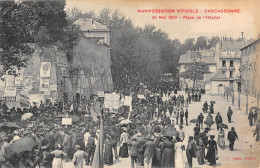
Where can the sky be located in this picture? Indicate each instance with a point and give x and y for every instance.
(230, 25)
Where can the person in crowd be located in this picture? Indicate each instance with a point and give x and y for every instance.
(218, 120)
(205, 106)
(250, 118)
(149, 152)
(209, 121)
(200, 119)
(229, 114)
(90, 148)
(186, 114)
(58, 156)
(221, 138)
(201, 151)
(108, 153)
(211, 108)
(124, 139)
(79, 157)
(196, 132)
(191, 151)
(212, 150)
(134, 151)
(255, 116)
(232, 137)
(181, 116)
(177, 115)
(167, 152)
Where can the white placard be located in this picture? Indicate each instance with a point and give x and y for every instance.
(66, 121)
(45, 70)
(141, 96)
(101, 94)
(10, 92)
(112, 101)
(17, 81)
(128, 101)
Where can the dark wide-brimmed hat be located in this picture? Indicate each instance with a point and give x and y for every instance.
(232, 128)
(212, 136)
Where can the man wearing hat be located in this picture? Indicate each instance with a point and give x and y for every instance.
(78, 158)
(190, 150)
(218, 120)
(134, 151)
(232, 136)
(149, 152)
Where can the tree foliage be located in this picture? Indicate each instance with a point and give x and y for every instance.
(195, 71)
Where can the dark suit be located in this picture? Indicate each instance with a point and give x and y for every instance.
(149, 153)
(191, 151)
(134, 152)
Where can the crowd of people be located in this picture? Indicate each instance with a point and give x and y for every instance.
(145, 132)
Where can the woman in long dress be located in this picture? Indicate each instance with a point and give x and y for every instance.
(178, 157)
(201, 152)
(168, 152)
(221, 138)
(209, 121)
(124, 139)
(212, 150)
(58, 155)
(108, 154)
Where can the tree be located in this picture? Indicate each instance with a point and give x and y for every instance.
(195, 71)
(201, 43)
(40, 22)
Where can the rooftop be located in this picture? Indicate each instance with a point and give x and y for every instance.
(219, 77)
(87, 24)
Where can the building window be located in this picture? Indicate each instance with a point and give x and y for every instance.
(231, 74)
(223, 63)
(223, 72)
(231, 63)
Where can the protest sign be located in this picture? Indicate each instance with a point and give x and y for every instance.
(128, 101)
(10, 92)
(141, 96)
(44, 84)
(66, 121)
(112, 101)
(101, 94)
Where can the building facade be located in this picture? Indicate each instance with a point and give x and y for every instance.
(206, 56)
(249, 74)
(228, 60)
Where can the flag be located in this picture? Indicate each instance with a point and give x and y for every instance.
(93, 114)
(71, 108)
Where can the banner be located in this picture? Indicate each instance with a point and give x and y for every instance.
(24, 100)
(27, 83)
(66, 121)
(112, 101)
(10, 92)
(44, 84)
(45, 70)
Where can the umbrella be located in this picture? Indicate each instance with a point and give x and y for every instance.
(212, 102)
(26, 116)
(171, 133)
(10, 125)
(22, 145)
(221, 125)
(194, 121)
(126, 121)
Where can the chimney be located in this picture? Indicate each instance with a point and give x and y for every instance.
(242, 33)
